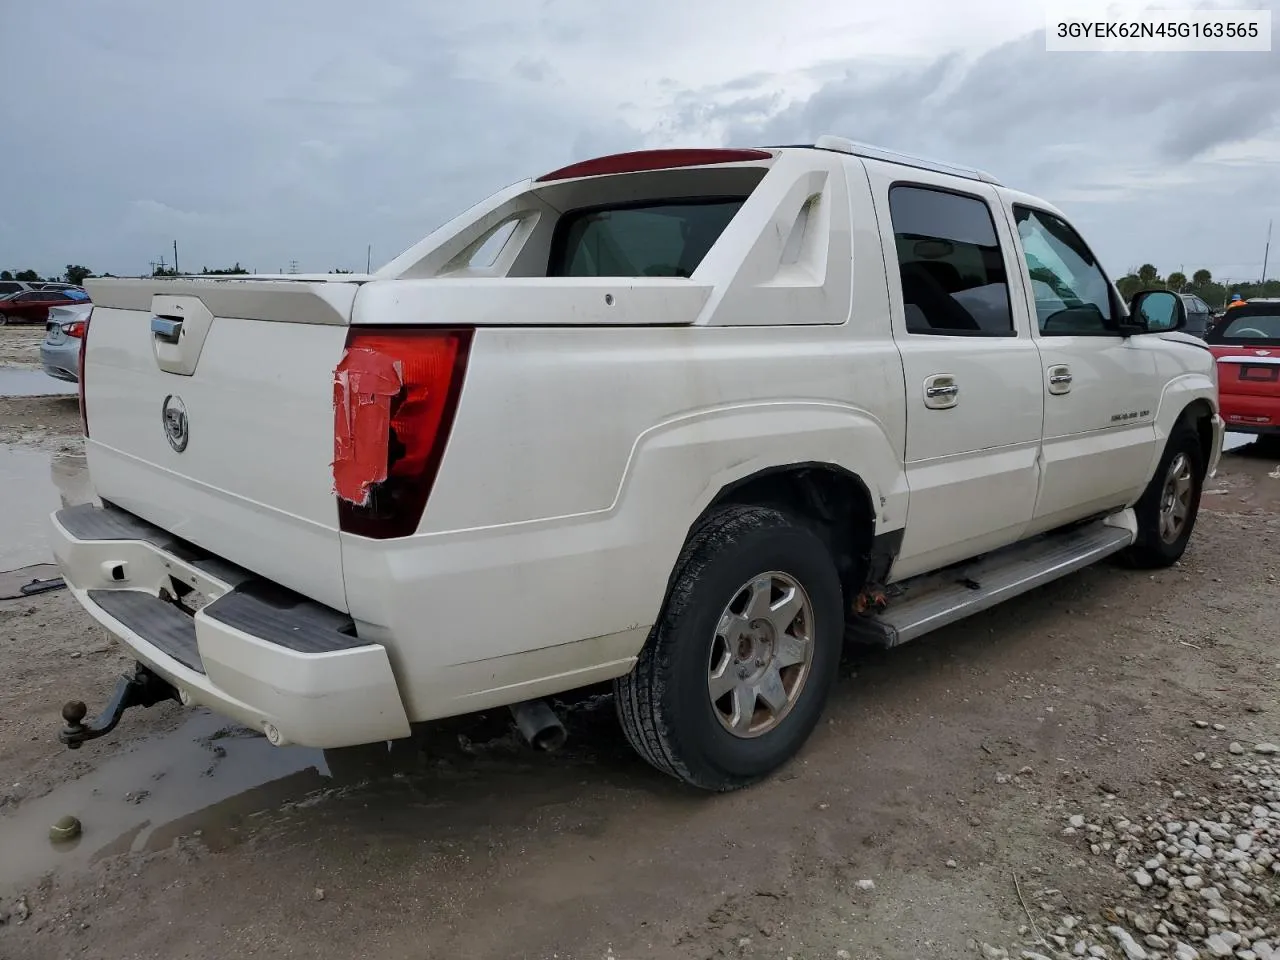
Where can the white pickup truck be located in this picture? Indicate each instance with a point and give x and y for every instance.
(684, 420)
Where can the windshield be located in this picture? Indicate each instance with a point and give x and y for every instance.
(1258, 325)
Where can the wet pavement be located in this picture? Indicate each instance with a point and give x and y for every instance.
(33, 484)
(25, 382)
(208, 779)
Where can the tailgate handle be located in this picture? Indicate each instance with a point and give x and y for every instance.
(168, 329)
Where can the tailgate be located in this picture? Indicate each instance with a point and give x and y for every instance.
(210, 414)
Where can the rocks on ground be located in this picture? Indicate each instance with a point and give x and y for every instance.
(1204, 873)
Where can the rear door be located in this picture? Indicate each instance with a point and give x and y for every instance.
(1101, 389)
(974, 402)
(210, 414)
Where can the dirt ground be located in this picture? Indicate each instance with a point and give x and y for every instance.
(20, 344)
(944, 775)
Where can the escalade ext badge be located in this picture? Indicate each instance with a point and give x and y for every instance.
(173, 416)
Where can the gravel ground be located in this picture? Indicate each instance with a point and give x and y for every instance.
(1082, 769)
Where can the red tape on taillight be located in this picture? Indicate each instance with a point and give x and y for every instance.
(394, 396)
(84, 346)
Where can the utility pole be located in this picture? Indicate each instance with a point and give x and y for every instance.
(368, 257)
(293, 266)
(175, 256)
(1266, 253)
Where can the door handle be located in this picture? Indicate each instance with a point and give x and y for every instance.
(1059, 380)
(941, 392)
(167, 329)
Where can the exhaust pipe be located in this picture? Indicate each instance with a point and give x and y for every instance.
(539, 725)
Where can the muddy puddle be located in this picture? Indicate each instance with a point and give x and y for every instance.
(22, 382)
(33, 484)
(207, 779)
(216, 784)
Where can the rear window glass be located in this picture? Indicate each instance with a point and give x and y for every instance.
(1248, 325)
(663, 239)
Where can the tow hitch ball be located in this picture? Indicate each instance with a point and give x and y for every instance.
(141, 689)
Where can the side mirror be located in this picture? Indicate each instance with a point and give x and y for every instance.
(1157, 311)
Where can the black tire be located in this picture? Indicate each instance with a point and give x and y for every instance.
(1154, 549)
(664, 704)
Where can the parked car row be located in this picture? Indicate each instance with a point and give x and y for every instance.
(32, 306)
(22, 286)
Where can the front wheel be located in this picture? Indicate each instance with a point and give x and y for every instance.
(736, 672)
(1168, 508)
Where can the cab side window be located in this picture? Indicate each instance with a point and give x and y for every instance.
(952, 268)
(1072, 294)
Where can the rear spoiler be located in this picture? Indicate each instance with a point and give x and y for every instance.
(284, 300)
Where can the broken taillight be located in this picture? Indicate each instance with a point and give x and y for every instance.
(394, 395)
(84, 345)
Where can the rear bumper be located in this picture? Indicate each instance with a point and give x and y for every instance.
(61, 360)
(1251, 414)
(258, 653)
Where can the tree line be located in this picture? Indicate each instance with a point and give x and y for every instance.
(77, 274)
(1201, 283)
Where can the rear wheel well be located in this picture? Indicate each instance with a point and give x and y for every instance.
(833, 502)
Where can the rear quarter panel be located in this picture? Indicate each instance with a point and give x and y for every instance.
(578, 461)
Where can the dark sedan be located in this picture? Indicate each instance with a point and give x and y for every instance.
(32, 306)
(1199, 315)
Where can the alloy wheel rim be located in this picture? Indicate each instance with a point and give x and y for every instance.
(1175, 499)
(761, 654)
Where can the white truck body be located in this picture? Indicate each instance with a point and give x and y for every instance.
(598, 418)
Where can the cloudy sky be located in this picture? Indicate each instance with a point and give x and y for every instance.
(266, 132)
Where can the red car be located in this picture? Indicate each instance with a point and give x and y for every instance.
(32, 306)
(1247, 347)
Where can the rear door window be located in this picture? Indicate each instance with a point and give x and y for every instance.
(954, 281)
(662, 239)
